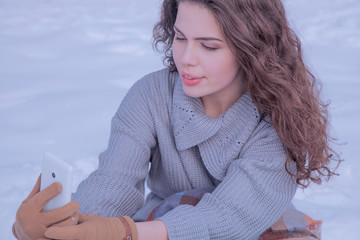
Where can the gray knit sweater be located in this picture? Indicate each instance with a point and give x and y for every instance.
(239, 154)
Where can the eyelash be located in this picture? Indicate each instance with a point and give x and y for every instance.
(180, 39)
(206, 47)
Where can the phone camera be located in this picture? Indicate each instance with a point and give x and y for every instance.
(53, 175)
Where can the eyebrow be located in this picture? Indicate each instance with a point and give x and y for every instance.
(199, 38)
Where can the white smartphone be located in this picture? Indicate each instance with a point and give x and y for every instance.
(54, 169)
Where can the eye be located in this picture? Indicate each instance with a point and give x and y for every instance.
(209, 48)
(179, 38)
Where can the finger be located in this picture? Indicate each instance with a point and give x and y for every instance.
(83, 217)
(67, 232)
(72, 220)
(13, 231)
(41, 198)
(61, 213)
(35, 189)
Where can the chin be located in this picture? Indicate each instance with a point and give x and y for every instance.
(191, 92)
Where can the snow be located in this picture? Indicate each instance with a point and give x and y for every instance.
(65, 66)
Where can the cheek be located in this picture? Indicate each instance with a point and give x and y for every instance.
(230, 64)
(222, 66)
(176, 53)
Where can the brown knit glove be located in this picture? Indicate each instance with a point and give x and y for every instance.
(32, 221)
(95, 227)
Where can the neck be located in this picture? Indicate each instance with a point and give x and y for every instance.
(214, 108)
(217, 104)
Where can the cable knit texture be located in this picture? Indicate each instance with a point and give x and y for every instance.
(237, 152)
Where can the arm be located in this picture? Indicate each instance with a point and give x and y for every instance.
(95, 227)
(116, 188)
(151, 230)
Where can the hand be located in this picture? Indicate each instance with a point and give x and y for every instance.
(32, 221)
(95, 227)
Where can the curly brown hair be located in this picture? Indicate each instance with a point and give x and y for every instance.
(280, 84)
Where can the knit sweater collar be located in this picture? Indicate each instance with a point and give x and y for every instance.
(191, 126)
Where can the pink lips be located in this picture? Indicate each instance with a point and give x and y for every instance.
(191, 80)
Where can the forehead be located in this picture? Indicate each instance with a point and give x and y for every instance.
(196, 20)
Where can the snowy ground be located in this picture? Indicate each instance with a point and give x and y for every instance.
(65, 65)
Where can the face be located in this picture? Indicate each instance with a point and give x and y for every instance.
(207, 66)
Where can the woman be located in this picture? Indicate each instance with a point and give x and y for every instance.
(235, 116)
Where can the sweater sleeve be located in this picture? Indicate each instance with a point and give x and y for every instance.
(252, 196)
(116, 188)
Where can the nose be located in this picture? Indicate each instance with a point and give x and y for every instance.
(189, 56)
